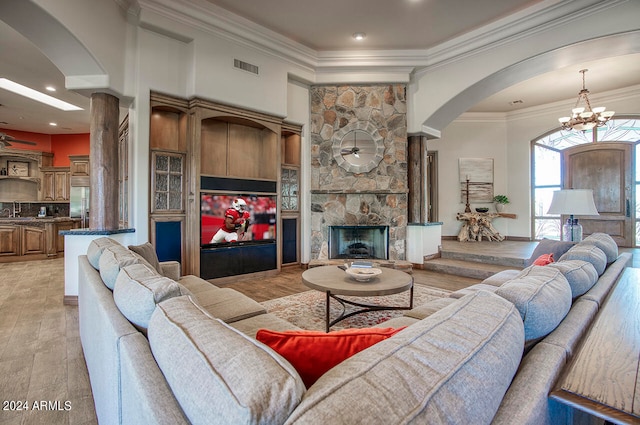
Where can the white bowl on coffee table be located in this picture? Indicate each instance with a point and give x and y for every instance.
(363, 274)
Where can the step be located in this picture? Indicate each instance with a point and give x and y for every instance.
(484, 258)
(473, 269)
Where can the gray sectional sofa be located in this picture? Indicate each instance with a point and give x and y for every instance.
(164, 349)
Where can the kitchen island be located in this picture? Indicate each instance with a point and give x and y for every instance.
(33, 238)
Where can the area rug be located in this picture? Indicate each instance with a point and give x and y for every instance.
(307, 309)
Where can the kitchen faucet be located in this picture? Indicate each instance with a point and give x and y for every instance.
(17, 209)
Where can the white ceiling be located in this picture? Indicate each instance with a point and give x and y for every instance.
(328, 26)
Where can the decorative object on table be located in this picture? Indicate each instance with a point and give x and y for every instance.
(501, 201)
(476, 179)
(477, 227)
(18, 168)
(582, 119)
(363, 274)
(361, 264)
(572, 202)
(482, 210)
(467, 207)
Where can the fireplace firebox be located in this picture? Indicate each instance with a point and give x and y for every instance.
(368, 242)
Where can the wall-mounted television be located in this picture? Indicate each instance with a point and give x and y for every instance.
(261, 215)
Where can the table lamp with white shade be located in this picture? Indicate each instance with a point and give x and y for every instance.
(573, 202)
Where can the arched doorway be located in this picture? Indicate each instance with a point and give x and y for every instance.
(551, 170)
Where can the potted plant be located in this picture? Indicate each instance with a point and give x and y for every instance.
(500, 201)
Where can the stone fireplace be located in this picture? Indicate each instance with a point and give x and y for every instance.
(378, 197)
(362, 242)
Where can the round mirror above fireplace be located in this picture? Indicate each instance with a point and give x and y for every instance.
(358, 147)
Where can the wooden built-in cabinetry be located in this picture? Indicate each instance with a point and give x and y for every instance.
(226, 150)
(79, 165)
(55, 183)
(33, 238)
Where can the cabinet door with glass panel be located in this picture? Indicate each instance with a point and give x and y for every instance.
(167, 182)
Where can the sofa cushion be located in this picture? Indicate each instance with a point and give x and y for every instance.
(114, 258)
(217, 374)
(549, 246)
(96, 247)
(138, 289)
(313, 353)
(587, 252)
(501, 277)
(581, 275)
(605, 242)
(228, 304)
(542, 295)
(455, 365)
(148, 252)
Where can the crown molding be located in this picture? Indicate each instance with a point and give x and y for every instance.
(555, 108)
(209, 18)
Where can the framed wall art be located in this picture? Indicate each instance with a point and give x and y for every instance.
(479, 174)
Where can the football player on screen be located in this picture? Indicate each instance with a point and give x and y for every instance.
(236, 223)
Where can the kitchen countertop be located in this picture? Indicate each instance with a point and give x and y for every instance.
(28, 220)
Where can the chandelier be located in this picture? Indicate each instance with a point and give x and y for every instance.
(583, 119)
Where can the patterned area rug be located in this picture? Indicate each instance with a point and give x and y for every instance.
(307, 309)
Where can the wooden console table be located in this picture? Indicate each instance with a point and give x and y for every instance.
(602, 378)
(478, 226)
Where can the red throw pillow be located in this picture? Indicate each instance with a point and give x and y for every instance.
(312, 353)
(544, 259)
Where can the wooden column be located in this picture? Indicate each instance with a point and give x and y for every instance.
(417, 179)
(103, 211)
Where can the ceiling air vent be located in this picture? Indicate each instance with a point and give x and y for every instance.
(245, 66)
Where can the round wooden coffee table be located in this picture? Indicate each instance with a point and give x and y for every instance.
(334, 281)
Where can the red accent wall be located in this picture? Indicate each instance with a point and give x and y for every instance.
(60, 145)
(63, 145)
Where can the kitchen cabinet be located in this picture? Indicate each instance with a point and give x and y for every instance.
(55, 183)
(9, 240)
(79, 165)
(33, 238)
(58, 238)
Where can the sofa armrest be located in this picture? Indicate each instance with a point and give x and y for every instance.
(170, 269)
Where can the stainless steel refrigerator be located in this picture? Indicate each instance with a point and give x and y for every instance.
(79, 204)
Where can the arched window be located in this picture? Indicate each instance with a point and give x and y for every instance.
(546, 158)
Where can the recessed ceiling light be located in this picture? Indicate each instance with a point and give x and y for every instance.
(50, 88)
(36, 95)
(359, 36)
(53, 124)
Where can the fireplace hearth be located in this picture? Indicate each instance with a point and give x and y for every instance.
(361, 242)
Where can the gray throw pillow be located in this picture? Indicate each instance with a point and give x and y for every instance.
(542, 295)
(113, 259)
(549, 246)
(97, 247)
(581, 275)
(606, 243)
(587, 252)
(207, 363)
(148, 252)
(138, 289)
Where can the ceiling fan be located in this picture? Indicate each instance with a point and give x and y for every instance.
(353, 150)
(6, 141)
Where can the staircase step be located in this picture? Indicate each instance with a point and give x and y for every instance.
(484, 258)
(473, 269)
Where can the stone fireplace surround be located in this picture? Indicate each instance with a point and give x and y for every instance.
(378, 197)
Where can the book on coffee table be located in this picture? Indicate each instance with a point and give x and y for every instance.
(361, 264)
